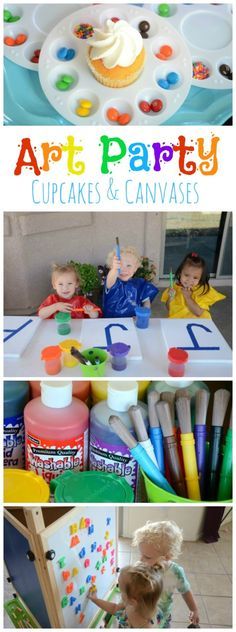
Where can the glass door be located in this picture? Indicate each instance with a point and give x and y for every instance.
(208, 234)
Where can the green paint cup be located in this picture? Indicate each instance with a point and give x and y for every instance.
(63, 320)
(98, 359)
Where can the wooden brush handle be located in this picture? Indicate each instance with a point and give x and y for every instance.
(136, 417)
(120, 429)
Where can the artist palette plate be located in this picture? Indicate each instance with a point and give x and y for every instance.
(35, 21)
(127, 99)
(207, 29)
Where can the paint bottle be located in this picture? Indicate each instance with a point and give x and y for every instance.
(99, 390)
(107, 453)
(16, 396)
(79, 389)
(56, 429)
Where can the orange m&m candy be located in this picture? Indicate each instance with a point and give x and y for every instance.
(112, 114)
(20, 39)
(124, 119)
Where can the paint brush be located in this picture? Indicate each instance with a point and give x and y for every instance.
(139, 454)
(155, 432)
(200, 434)
(220, 403)
(171, 448)
(169, 397)
(118, 250)
(171, 279)
(76, 354)
(136, 417)
(183, 407)
(225, 482)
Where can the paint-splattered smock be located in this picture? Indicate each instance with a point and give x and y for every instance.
(122, 298)
(174, 579)
(178, 307)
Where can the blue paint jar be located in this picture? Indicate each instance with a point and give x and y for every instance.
(142, 317)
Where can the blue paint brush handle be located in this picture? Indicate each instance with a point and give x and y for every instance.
(213, 463)
(156, 437)
(200, 435)
(150, 469)
(118, 250)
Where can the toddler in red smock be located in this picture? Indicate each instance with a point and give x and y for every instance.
(65, 283)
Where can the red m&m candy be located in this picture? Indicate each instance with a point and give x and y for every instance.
(156, 105)
(145, 106)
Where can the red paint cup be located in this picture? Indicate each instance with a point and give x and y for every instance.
(177, 360)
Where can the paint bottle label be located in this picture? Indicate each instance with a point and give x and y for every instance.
(50, 459)
(114, 459)
(14, 442)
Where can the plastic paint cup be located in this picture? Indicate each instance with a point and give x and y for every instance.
(157, 495)
(118, 352)
(93, 369)
(177, 360)
(65, 346)
(142, 317)
(52, 359)
(63, 323)
(89, 487)
(24, 487)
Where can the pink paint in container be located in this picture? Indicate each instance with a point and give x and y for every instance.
(56, 429)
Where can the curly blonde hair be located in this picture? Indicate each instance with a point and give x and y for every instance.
(128, 250)
(144, 584)
(165, 536)
(58, 269)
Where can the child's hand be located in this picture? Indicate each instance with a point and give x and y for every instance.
(92, 594)
(90, 311)
(171, 293)
(194, 617)
(63, 307)
(116, 263)
(186, 291)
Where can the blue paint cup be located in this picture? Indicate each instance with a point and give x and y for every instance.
(142, 317)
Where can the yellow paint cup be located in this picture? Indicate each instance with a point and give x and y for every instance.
(68, 360)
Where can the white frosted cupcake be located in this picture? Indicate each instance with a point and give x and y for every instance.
(116, 56)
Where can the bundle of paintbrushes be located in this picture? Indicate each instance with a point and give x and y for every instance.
(141, 451)
(190, 454)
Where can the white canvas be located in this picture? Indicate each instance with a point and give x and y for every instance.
(93, 334)
(213, 347)
(17, 333)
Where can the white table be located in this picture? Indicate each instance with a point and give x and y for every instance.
(153, 365)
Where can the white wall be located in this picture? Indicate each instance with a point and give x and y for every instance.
(33, 241)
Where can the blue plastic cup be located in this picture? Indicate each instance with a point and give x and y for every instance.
(142, 317)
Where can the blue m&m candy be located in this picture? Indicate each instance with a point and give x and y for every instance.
(172, 78)
(65, 54)
(163, 83)
(70, 54)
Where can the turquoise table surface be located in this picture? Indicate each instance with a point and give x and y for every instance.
(26, 104)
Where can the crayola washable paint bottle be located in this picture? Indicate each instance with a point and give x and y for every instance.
(99, 390)
(107, 453)
(16, 396)
(56, 431)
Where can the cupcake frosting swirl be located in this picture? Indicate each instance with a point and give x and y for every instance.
(119, 44)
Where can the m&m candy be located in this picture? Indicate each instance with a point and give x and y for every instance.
(145, 106)
(65, 82)
(84, 108)
(112, 114)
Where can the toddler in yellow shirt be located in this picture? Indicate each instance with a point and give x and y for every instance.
(191, 295)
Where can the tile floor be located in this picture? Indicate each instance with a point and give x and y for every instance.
(209, 570)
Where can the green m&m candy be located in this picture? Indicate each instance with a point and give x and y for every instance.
(164, 10)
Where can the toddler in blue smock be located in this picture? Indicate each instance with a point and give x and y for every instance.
(123, 292)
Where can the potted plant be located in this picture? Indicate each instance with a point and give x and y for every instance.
(147, 270)
(89, 280)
